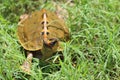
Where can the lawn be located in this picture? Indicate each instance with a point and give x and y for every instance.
(93, 52)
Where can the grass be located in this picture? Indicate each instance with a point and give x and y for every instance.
(94, 46)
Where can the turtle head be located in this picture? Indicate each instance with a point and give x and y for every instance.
(50, 46)
(51, 43)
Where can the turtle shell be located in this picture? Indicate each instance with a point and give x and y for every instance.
(30, 28)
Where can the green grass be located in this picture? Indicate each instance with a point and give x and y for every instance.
(94, 46)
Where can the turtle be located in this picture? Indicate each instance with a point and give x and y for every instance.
(41, 32)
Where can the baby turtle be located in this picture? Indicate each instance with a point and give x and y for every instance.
(41, 31)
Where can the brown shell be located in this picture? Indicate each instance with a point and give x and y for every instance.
(29, 29)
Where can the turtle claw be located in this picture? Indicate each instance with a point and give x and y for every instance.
(26, 67)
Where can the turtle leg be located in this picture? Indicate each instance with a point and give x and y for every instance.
(27, 64)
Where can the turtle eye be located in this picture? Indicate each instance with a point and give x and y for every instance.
(47, 33)
(42, 33)
(44, 22)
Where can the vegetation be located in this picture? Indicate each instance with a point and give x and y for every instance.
(93, 53)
